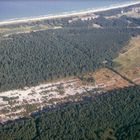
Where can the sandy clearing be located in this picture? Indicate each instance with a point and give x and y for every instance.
(13, 102)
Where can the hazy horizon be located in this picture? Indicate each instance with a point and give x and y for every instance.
(19, 9)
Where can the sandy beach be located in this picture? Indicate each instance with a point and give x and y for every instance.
(66, 14)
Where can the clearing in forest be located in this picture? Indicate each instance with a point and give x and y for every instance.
(128, 61)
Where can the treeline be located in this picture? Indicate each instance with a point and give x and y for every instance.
(111, 116)
(28, 59)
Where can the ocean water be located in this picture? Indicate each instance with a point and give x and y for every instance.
(12, 9)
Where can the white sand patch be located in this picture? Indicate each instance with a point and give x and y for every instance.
(39, 96)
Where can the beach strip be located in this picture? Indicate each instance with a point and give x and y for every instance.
(66, 14)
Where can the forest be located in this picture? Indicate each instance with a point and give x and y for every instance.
(27, 59)
(31, 58)
(111, 116)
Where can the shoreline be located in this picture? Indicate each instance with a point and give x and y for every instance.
(65, 14)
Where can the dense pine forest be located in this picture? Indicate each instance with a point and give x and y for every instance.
(111, 116)
(28, 59)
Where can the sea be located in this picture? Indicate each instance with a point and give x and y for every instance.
(15, 9)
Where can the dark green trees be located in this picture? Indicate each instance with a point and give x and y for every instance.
(113, 115)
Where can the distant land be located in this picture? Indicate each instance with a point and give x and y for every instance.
(68, 14)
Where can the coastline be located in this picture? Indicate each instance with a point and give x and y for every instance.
(65, 14)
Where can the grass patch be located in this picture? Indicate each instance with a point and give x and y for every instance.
(129, 58)
(25, 29)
